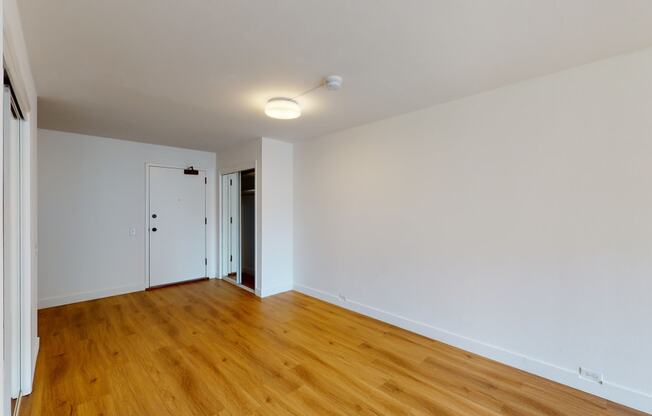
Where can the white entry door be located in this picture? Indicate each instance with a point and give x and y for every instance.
(177, 226)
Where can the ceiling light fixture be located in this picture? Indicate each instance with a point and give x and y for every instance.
(284, 108)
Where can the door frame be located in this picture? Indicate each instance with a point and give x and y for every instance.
(149, 165)
(235, 168)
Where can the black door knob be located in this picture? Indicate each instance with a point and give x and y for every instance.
(153, 215)
(154, 229)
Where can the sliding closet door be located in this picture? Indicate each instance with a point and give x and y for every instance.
(230, 224)
(11, 246)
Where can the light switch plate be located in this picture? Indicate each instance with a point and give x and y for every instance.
(132, 231)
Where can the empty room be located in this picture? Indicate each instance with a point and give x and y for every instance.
(300, 207)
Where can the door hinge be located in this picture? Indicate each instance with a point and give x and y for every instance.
(205, 261)
(231, 220)
(231, 182)
(205, 220)
(205, 180)
(231, 258)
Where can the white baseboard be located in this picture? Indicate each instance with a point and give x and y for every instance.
(610, 391)
(84, 296)
(275, 290)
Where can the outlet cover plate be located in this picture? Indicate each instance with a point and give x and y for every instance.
(591, 375)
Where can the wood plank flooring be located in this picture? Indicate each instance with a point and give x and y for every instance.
(210, 348)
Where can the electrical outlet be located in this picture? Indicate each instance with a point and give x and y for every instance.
(132, 231)
(591, 375)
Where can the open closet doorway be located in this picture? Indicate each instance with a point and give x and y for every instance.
(238, 232)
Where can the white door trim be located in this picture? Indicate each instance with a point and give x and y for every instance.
(145, 230)
(28, 365)
(238, 167)
(5, 399)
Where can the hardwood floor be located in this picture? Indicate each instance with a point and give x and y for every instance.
(210, 348)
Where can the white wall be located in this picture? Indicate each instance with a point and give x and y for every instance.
(234, 159)
(277, 216)
(274, 208)
(240, 157)
(516, 223)
(91, 191)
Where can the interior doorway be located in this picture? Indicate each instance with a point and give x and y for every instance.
(238, 231)
(176, 225)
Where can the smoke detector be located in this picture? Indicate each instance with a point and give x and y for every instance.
(333, 82)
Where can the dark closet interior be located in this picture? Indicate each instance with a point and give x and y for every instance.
(248, 227)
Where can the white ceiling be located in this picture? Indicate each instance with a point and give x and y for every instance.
(197, 73)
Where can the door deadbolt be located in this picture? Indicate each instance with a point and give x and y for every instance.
(154, 229)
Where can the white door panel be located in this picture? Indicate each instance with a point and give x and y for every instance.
(11, 247)
(177, 229)
(230, 221)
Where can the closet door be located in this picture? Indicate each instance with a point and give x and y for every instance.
(230, 224)
(11, 246)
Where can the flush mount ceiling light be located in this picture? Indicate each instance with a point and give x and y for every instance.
(284, 108)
